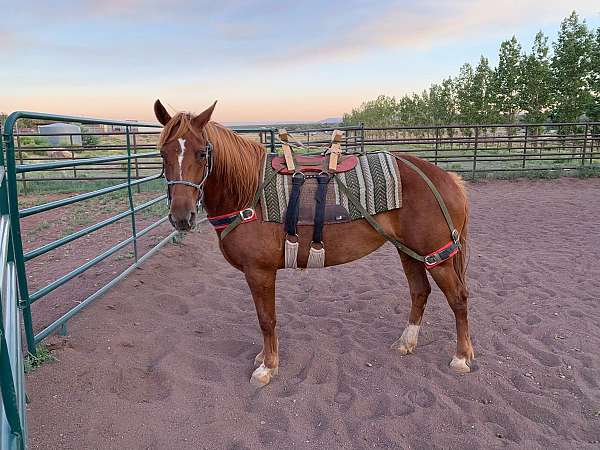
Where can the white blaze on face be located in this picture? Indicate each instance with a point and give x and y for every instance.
(180, 157)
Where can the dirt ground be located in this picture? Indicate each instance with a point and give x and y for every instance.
(43, 228)
(163, 360)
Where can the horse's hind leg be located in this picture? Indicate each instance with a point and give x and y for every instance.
(419, 291)
(456, 294)
(262, 286)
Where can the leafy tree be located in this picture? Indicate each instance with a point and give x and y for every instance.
(378, 112)
(561, 87)
(482, 93)
(442, 104)
(90, 140)
(536, 83)
(506, 80)
(593, 110)
(467, 110)
(571, 70)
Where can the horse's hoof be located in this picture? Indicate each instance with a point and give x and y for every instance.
(262, 375)
(408, 341)
(460, 365)
(259, 359)
(403, 347)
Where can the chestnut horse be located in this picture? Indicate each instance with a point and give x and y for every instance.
(228, 183)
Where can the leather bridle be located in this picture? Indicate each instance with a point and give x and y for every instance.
(206, 154)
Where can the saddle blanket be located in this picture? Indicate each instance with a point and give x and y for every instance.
(375, 181)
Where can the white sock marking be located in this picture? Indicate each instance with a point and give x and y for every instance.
(180, 157)
(411, 334)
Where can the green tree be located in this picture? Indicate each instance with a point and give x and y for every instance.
(571, 70)
(482, 93)
(442, 103)
(593, 110)
(467, 109)
(536, 83)
(379, 112)
(506, 80)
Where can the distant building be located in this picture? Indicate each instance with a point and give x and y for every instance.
(66, 134)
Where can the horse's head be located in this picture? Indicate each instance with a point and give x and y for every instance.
(186, 154)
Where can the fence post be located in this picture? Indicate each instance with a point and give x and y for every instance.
(362, 138)
(437, 144)
(272, 133)
(20, 150)
(73, 156)
(475, 146)
(594, 131)
(525, 145)
(17, 247)
(130, 195)
(138, 188)
(583, 150)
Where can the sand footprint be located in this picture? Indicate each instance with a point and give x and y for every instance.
(172, 304)
(421, 397)
(141, 385)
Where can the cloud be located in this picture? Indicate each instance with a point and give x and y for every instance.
(436, 22)
(6, 38)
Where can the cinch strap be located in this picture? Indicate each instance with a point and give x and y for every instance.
(293, 207)
(323, 180)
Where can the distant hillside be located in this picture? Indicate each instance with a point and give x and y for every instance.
(331, 120)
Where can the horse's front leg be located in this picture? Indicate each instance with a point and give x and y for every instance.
(262, 286)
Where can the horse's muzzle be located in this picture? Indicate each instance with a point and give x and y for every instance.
(185, 224)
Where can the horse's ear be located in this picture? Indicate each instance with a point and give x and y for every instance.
(161, 113)
(202, 119)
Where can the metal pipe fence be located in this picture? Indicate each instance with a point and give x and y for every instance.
(473, 150)
(478, 150)
(13, 422)
(16, 172)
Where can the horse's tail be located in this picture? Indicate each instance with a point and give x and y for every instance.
(462, 257)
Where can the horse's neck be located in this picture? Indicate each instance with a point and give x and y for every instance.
(219, 195)
(216, 199)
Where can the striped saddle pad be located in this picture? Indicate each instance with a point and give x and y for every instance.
(375, 181)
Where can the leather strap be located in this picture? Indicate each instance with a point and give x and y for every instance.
(254, 204)
(293, 206)
(369, 218)
(433, 189)
(320, 197)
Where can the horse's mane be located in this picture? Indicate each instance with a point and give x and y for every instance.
(237, 161)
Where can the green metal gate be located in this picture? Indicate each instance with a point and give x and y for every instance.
(13, 424)
(28, 298)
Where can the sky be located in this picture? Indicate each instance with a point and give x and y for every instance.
(264, 61)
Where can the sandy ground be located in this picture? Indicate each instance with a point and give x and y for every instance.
(163, 360)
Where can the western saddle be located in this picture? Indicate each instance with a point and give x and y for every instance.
(331, 161)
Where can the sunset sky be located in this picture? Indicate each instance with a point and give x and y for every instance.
(263, 60)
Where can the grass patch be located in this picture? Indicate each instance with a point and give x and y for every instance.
(588, 172)
(128, 255)
(43, 225)
(41, 357)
